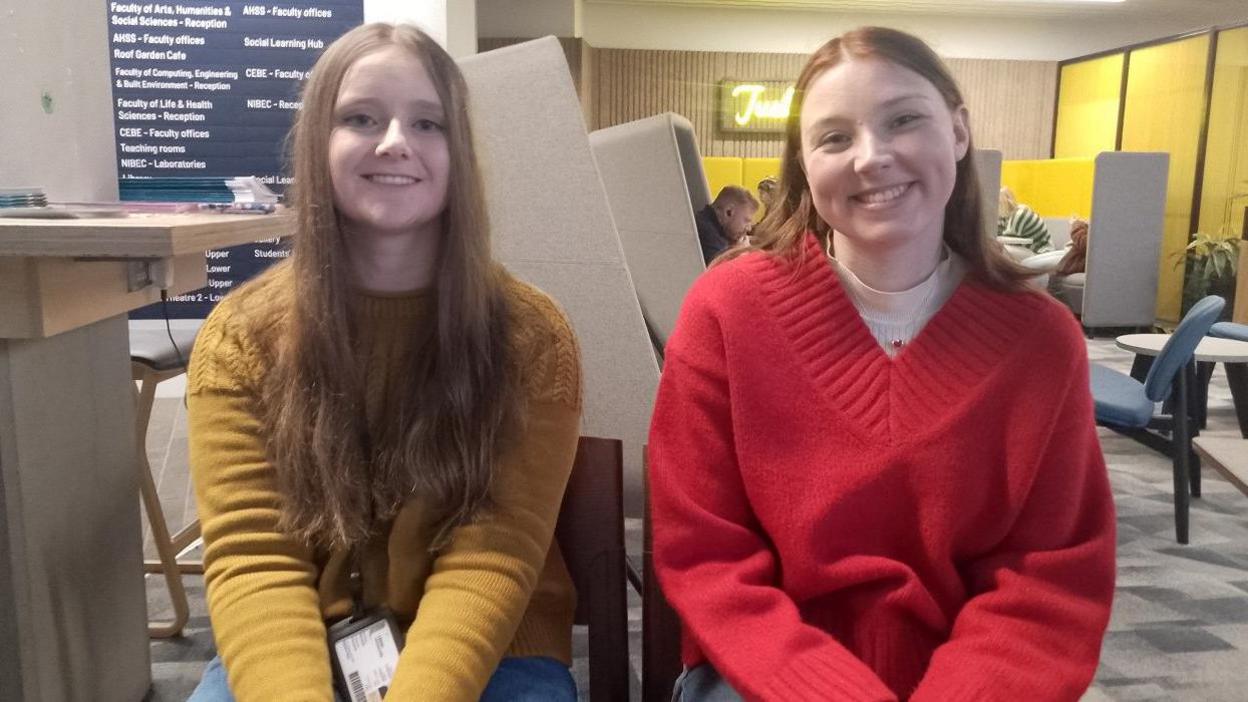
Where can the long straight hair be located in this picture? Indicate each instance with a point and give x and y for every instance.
(455, 400)
(793, 212)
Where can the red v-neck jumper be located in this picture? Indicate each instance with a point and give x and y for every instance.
(833, 524)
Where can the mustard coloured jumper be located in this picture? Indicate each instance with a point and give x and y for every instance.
(498, 588)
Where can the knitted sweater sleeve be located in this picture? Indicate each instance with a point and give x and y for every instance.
(711, 557)
(480, 585)
(1033, 626)
(262, 597)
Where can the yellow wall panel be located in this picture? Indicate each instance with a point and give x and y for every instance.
(1054, 187)
(1224, 189)
(745, 172)
(1087, 107)
(721, 171)
(754, 170)
(1164, 105)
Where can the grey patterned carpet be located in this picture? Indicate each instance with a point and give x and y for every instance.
(1180, 625)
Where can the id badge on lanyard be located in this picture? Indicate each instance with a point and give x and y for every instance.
(364, 648)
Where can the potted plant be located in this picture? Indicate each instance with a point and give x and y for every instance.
(1211, 261)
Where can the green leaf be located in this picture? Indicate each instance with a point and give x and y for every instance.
(1218, 261)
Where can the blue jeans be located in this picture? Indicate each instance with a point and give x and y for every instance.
(702, 683)
(529, 679)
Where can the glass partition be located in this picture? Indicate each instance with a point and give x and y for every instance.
(1164, 106)
(1224, 188)
(1087, 107)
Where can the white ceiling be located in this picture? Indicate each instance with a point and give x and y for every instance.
(1051, 30)
(1183, 13)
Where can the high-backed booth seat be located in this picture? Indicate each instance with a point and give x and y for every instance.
(988, 163)
(552, 227)
(556, 231)
(654, 181)
(1118, 287)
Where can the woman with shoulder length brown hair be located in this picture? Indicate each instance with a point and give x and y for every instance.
(381, 428)
(874, 471)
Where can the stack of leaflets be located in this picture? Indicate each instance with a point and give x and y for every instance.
(246, 189)
(23, 197)
(250, 189)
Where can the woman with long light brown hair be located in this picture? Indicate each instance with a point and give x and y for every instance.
(874, 471)
(381, 428)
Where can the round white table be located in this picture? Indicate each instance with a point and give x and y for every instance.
(1233, 354)
(1209, 350)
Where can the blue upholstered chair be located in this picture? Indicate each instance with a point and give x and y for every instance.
(1229, 330)
(1236, 373)
(1129, 407)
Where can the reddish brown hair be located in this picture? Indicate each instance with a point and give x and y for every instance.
(793, 213)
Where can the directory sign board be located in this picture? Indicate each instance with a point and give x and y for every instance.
(210, 89)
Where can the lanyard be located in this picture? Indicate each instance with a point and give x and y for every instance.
(355, 582)
(355, 576)
(364, 648)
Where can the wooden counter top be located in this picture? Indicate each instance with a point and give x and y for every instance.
(61, 274)
(138, 235)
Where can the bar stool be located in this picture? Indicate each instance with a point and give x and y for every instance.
(154, 360)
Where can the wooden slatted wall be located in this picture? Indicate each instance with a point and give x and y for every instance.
(1011, 102)
(634, 83)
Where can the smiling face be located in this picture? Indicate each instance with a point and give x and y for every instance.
(388, 155)
(880, 148)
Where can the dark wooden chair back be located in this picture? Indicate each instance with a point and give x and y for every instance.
(660, 625)
(590, 532)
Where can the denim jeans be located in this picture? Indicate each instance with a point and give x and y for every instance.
(702, 683)
(529, 679)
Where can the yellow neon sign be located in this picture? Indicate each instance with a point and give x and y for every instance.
(756, 106)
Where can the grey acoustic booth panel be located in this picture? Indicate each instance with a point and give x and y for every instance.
(653, 173)
(988, 164)
(552, 227)
(1059, 231)
(1124, 239)
(691, 162)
